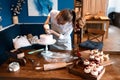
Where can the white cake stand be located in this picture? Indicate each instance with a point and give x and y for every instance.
(47, 52)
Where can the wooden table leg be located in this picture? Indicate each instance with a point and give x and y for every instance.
(107, 29)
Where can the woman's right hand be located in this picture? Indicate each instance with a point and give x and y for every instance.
(48, 31)
(46, 26)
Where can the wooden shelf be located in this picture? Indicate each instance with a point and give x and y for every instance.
(78, 4)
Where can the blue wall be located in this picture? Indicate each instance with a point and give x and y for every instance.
(23, 17)
(5, 12)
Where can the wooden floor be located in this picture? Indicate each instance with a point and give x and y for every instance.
(113, 41)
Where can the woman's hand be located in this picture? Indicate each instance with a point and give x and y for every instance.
(49, 31)
(46, 26)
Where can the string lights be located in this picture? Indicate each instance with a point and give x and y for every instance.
(16, 8)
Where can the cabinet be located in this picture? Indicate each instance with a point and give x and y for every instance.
(78, 6)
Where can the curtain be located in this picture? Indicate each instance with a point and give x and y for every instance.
(113, 6)
(95, 6)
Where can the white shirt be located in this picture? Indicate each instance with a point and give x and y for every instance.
(64, 41)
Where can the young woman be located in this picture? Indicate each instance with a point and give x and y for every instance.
(61, 27)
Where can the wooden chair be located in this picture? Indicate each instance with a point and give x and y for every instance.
(94, 41)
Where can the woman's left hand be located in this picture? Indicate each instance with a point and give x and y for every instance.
(49, 31)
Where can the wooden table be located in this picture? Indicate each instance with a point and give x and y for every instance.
(28, 73)
(104, 22)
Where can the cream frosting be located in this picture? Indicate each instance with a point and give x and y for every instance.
(87, 70)
(94, 72)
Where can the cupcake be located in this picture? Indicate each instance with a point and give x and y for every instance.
(101, 67)
(87, 70)
(106, 57)
(92, 65)
(97, 54)
(86, 62)
(101, 53)
(94, 72)
(98, 68)
(92, 56)
(91, 52)
(96, 50)
(101, 59)
(97, 58)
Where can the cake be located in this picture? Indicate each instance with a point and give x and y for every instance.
(45, 38)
